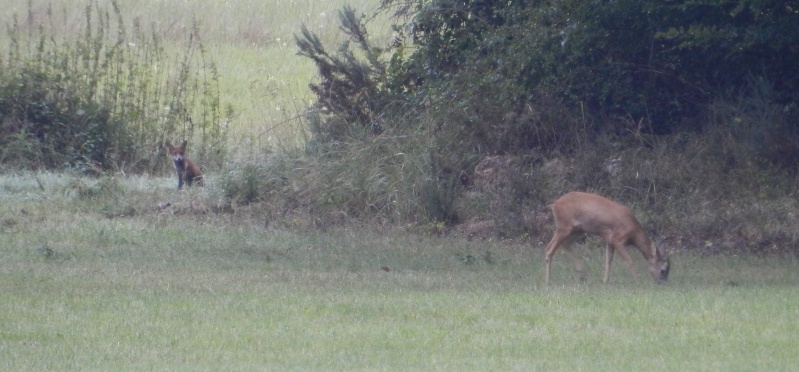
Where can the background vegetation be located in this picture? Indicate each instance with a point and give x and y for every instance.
(492, 109)
(464, 115)
(105, 100)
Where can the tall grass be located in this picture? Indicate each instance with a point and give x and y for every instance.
(108, 97)
(250, 43)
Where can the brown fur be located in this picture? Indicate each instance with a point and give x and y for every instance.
(579, 213)
(186, 170)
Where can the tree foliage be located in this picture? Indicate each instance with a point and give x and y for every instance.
(494, 63)
(652, 60)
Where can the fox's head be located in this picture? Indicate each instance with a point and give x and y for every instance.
(177, 153)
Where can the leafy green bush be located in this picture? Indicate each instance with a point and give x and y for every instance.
(657, 61)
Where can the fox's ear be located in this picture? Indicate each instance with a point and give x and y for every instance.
(183, 145)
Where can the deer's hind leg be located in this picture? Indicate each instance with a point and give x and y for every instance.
(562, 240)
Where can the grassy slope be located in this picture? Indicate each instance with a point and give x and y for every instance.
(193, 291)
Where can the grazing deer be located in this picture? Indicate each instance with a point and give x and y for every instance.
(186, 169)
(579, 213)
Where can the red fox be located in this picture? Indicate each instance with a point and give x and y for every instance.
(185, 168)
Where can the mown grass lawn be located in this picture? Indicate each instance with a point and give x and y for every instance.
(310, 319)
(82, 290)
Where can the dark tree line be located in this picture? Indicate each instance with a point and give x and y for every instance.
(497, 69)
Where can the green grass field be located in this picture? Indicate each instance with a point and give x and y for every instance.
(93, 277)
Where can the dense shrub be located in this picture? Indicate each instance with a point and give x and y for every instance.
(652, 60)
(685, 111)
(513, 77)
